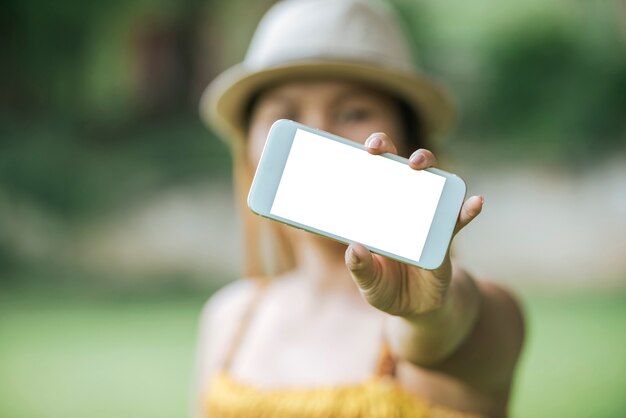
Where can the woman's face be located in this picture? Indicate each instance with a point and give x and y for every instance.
(343, 108)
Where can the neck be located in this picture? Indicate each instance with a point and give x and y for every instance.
(320, 262)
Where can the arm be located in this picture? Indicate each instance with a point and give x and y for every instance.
(476, 336)
(442, 319)
(425, 339)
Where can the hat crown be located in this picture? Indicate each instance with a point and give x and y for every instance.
(356, 30)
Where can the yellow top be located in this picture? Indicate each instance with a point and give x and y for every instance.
(374, 398)
(380, 396)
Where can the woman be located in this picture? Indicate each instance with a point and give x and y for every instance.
(316, 329)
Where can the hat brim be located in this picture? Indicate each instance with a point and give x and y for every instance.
(225, 99)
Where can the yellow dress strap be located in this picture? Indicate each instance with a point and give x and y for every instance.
(386, 364)
(262, 284)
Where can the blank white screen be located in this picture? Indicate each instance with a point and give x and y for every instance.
(361, 197)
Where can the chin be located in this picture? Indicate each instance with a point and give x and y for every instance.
(327, 242)
(319, 241)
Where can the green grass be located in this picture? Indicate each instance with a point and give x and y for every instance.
(574, 364)
(66, 357)
(71, 358)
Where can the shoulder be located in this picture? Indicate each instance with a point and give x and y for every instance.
(229, 301)
(508, 305)
(499, 334)
(220, 318)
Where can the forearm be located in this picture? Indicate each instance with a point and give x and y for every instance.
(427, 339)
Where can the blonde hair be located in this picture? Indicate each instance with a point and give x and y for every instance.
(267, 250)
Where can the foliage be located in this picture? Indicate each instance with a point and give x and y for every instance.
(99, 100)
(548, 87)
(74, 172)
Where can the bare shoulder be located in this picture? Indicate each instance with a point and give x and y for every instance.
(507, 304)
(229, 302)
(219, 320)
(495, 344)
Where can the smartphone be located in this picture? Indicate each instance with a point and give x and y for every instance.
(331, 186)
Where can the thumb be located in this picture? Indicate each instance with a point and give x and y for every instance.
(364, 268)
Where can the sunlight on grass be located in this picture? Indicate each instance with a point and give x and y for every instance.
(574, 363)
(73, 358)
(78, 359)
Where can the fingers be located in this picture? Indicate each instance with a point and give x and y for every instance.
(379, 143)
(363, 266)
(421, 159)
(470, 210)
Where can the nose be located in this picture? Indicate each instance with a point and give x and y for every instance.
(317, 118)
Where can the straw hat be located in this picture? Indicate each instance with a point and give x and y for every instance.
(357, 40)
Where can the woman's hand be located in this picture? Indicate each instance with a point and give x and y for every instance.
(394, 287)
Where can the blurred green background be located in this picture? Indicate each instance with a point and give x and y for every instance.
(116, 215)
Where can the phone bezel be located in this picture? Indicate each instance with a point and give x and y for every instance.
(270, 170)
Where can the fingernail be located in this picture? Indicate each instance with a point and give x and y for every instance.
(353, 259)
(374, 143)
(417, 158)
